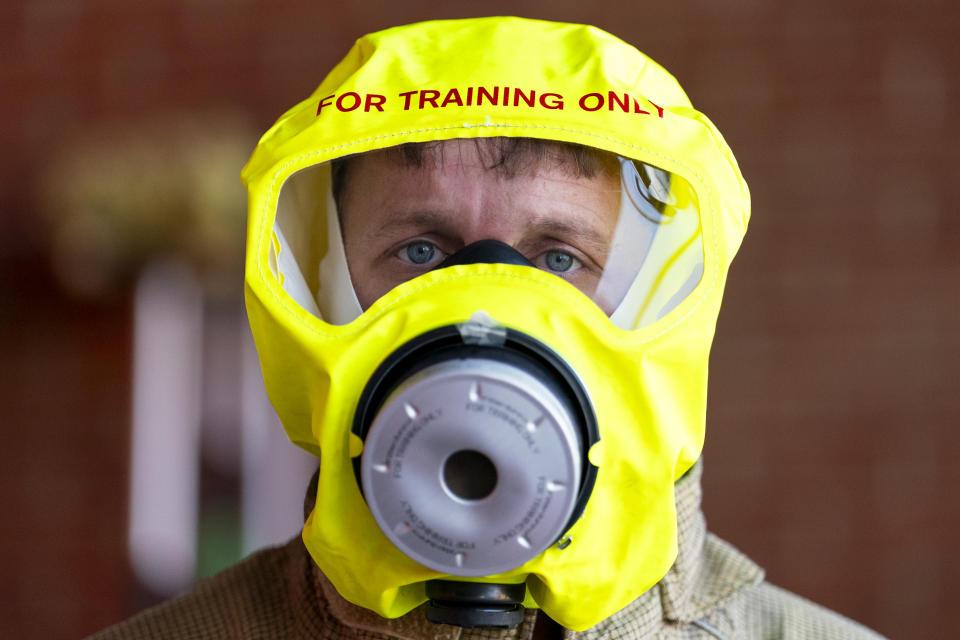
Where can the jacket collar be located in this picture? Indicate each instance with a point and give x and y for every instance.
(702, 586)
(700, 589)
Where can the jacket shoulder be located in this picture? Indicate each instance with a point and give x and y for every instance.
(775, 613)
(253, 599)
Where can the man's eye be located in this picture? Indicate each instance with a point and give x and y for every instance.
(420, 252)
(559, 261)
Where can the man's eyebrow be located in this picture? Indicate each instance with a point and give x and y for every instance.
(589, 238)
(414, 219)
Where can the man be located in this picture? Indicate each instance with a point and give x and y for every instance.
(484, 265)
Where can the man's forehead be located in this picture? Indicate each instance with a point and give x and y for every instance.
(504, 157)
(416, 165)
(460, 179)
(455, 170)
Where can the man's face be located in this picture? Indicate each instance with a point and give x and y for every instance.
(400, 220)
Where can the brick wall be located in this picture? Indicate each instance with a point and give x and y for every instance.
(832, 409)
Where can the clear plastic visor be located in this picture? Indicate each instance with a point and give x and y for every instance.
(626, 233)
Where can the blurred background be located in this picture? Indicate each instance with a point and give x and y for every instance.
(138, 451)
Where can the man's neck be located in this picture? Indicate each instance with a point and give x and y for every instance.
(546, 629)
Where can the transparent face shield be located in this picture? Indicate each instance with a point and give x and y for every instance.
(626, 233)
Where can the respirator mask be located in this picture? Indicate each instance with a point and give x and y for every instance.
(491, 321)
(476, 434)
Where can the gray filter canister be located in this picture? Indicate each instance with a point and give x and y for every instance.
(476, 463)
